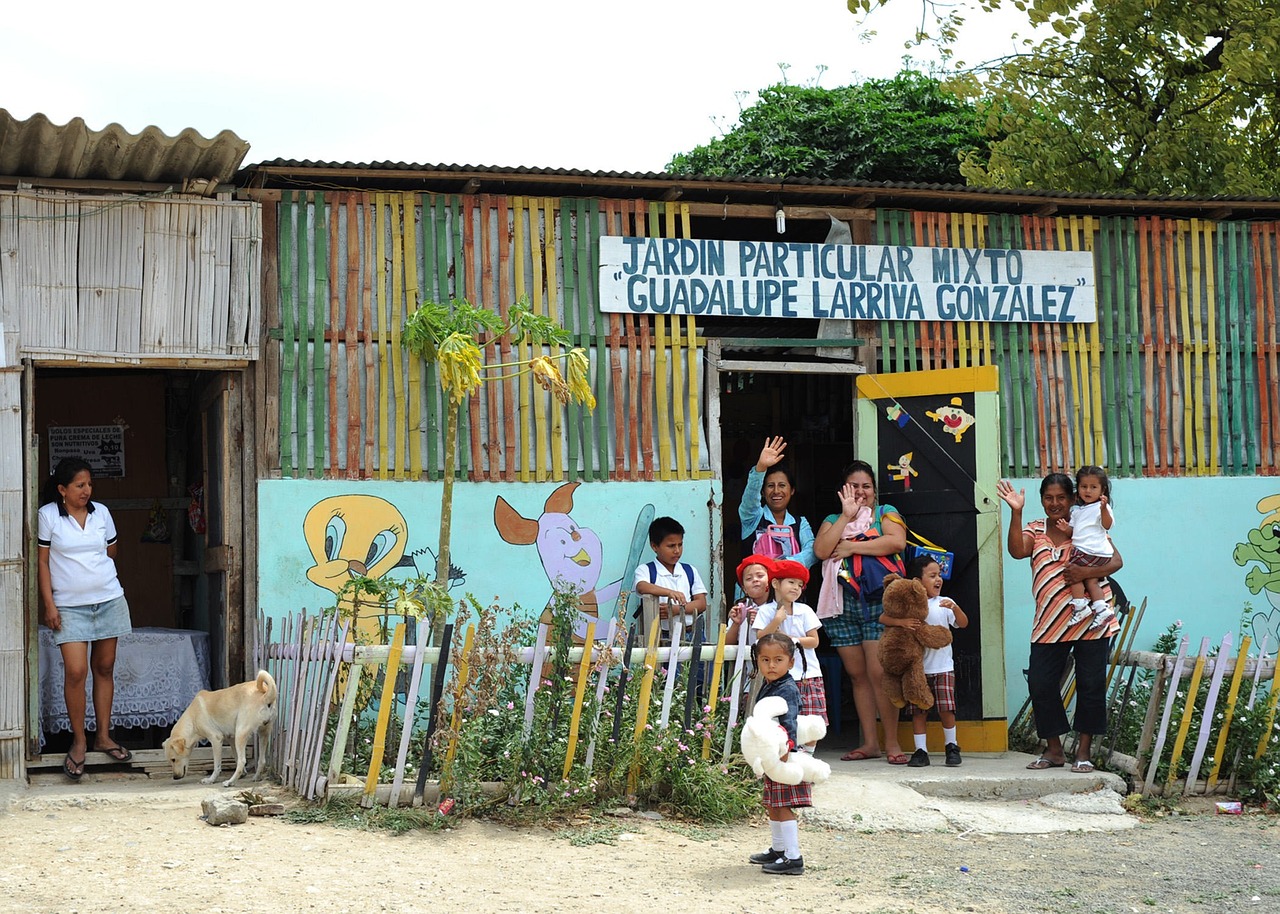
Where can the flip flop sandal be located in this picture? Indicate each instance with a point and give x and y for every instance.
(1082, 766)
(857, 755)
(899, 759)
(119, 754)
(73, 769)
(1042, 763)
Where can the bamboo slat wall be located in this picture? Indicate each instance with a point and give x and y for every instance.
(352, 404)
(1180, 374)
(131, 279)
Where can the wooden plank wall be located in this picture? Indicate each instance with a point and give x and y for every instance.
(1180, 376)
(350, 404)
(127, 279)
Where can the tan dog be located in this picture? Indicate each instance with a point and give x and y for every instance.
(236, 712)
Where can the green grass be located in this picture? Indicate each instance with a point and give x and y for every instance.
(346, 812)
(602, 833)
(693, 832)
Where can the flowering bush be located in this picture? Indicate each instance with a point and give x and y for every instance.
(1252, 779)
(497, 741)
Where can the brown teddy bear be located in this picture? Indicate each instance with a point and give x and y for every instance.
(902, 649)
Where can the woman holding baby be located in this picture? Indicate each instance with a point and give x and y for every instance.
(867, 528)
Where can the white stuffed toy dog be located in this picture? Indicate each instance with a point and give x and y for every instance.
(764, 743)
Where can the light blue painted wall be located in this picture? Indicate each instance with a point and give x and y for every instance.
(1177, 538)
(515, 574)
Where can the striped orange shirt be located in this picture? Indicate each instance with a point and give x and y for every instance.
(1052, 594)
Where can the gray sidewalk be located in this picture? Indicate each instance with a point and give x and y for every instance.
(987, 794)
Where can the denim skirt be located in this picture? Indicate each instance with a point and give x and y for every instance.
(93, 622)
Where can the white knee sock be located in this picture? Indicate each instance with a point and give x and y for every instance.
(948, 735)
(922, 740)
(791, 838)
(775, 835)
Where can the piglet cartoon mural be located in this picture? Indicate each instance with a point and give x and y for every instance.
(569, 552)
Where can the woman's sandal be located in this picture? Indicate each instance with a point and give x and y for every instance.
(1082, 766)
(1043, 762)
(71, 768)
(118, 754)
(857, 755)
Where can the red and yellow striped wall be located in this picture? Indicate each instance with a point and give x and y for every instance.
(352, 404)
(1179, 376)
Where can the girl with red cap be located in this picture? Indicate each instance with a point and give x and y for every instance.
(798, 621)
(753, 578)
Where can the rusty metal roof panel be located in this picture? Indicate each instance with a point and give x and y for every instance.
(38, 148)
(764, 183)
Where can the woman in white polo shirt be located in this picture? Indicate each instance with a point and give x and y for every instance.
(82, 601)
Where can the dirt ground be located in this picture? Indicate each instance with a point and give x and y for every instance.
(140, 851)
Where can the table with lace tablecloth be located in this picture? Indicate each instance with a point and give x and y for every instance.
(158, 671)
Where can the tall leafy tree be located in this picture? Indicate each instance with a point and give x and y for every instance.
(1140, 96)
(908, 128)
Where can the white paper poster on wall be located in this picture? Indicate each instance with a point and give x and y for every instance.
(101, 446)
(846, 281)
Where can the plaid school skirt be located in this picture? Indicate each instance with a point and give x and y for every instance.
(1087, 559)
(813, 697)
(786, 796)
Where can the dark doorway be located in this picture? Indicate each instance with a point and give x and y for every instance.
(814, 413)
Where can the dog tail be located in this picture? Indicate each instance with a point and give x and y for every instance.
(267, 684)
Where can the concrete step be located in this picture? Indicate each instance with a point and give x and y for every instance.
(990, 776)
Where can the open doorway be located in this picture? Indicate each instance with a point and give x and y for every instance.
(814, 412)
(156, 439)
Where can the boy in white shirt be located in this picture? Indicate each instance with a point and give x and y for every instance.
(677, 585)
(939, 663)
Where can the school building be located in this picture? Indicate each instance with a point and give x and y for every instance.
(227, 340)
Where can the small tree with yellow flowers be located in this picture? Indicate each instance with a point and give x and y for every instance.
(448, 337)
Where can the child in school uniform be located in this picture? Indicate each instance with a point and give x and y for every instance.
(773, 657)
(677, 585)
(939, 665)
(800, 623)
(753, 578)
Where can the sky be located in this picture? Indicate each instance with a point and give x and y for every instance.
(563, 84)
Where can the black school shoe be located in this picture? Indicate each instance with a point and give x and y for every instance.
(769, 856)
(919, 759)
(953, 755)
(785, 867)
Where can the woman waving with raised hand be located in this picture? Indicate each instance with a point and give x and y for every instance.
(852, 622)
(768, 528)
(1055, 638)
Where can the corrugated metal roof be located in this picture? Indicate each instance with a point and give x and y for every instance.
(38, 148)
(770, 184)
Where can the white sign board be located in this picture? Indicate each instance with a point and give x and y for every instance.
(864, 282)
(102, 446)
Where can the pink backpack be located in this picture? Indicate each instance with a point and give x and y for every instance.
(776, 541)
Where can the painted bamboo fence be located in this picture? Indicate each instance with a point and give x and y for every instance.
(352, 404)
(1179, 376)
(1193, 703)
(312, 663)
